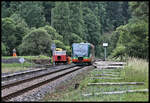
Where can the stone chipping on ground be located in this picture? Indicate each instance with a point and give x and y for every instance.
(38, 93)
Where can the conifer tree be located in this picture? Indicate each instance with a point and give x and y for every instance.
(60, 20)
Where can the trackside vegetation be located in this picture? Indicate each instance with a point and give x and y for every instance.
(132, 72)
(13, 67)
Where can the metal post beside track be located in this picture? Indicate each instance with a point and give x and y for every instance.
(105, 53)
(53, 58)
(105, 45)
(53, 47)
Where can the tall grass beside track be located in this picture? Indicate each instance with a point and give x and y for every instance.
(136, 70)
(13, 67)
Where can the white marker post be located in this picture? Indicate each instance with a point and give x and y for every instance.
(105, 45)
(21, 60)
(53, 47)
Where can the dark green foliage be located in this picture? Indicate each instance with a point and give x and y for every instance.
(59, 44)
(114, 15)
(6, 11)
(55, 36)
(134, 36)
(125, 12)
(37, 42)
(119, 51)
(3, 50)
(21, 27)
(93, 31)
(123, 25)
(68, 49)
(138, 46)
(47, 10)
(76, 18)
(109, 38)
(60, 20)
(102, 16)
(75, 39)
(140, 10)
(9, 34)
(32, 12)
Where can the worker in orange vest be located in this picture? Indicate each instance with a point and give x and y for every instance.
(69, 60)
(14, 52)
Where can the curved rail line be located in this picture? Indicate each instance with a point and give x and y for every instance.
(59, 73)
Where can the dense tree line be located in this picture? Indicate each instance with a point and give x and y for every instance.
(31, 27)
(133, 37)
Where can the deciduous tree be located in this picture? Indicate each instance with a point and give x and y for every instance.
(37, 42)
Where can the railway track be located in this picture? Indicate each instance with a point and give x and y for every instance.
(27, 72)
(16, 88)
(30, 77)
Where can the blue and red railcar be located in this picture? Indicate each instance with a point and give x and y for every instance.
(83, 53)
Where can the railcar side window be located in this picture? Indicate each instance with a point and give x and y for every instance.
(60, 52)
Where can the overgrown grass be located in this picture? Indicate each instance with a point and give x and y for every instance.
(136, 70)
(13, 67)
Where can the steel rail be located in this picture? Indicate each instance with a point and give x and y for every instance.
(10, 84)
(27, 72)
(19, 92)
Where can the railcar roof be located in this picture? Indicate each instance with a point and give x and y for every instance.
(85, 43)
(82, 43)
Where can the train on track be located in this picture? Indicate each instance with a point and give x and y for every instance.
(60, 56)
(83, 53)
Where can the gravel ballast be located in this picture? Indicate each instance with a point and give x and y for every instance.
(38, 93)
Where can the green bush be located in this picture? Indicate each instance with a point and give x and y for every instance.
(37, 42)
(68, 49)
(75, 38)
(119, 51)
(4, 51)
(59, 44)
(50, 30)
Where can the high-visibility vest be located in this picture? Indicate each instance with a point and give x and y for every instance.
(69, 59)
(14, 54)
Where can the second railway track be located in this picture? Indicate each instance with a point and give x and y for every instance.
(21, 74)
(30, 76)
(13, 89)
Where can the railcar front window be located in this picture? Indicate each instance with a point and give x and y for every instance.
(80, 50)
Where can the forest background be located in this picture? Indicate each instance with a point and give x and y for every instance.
(32, 26)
